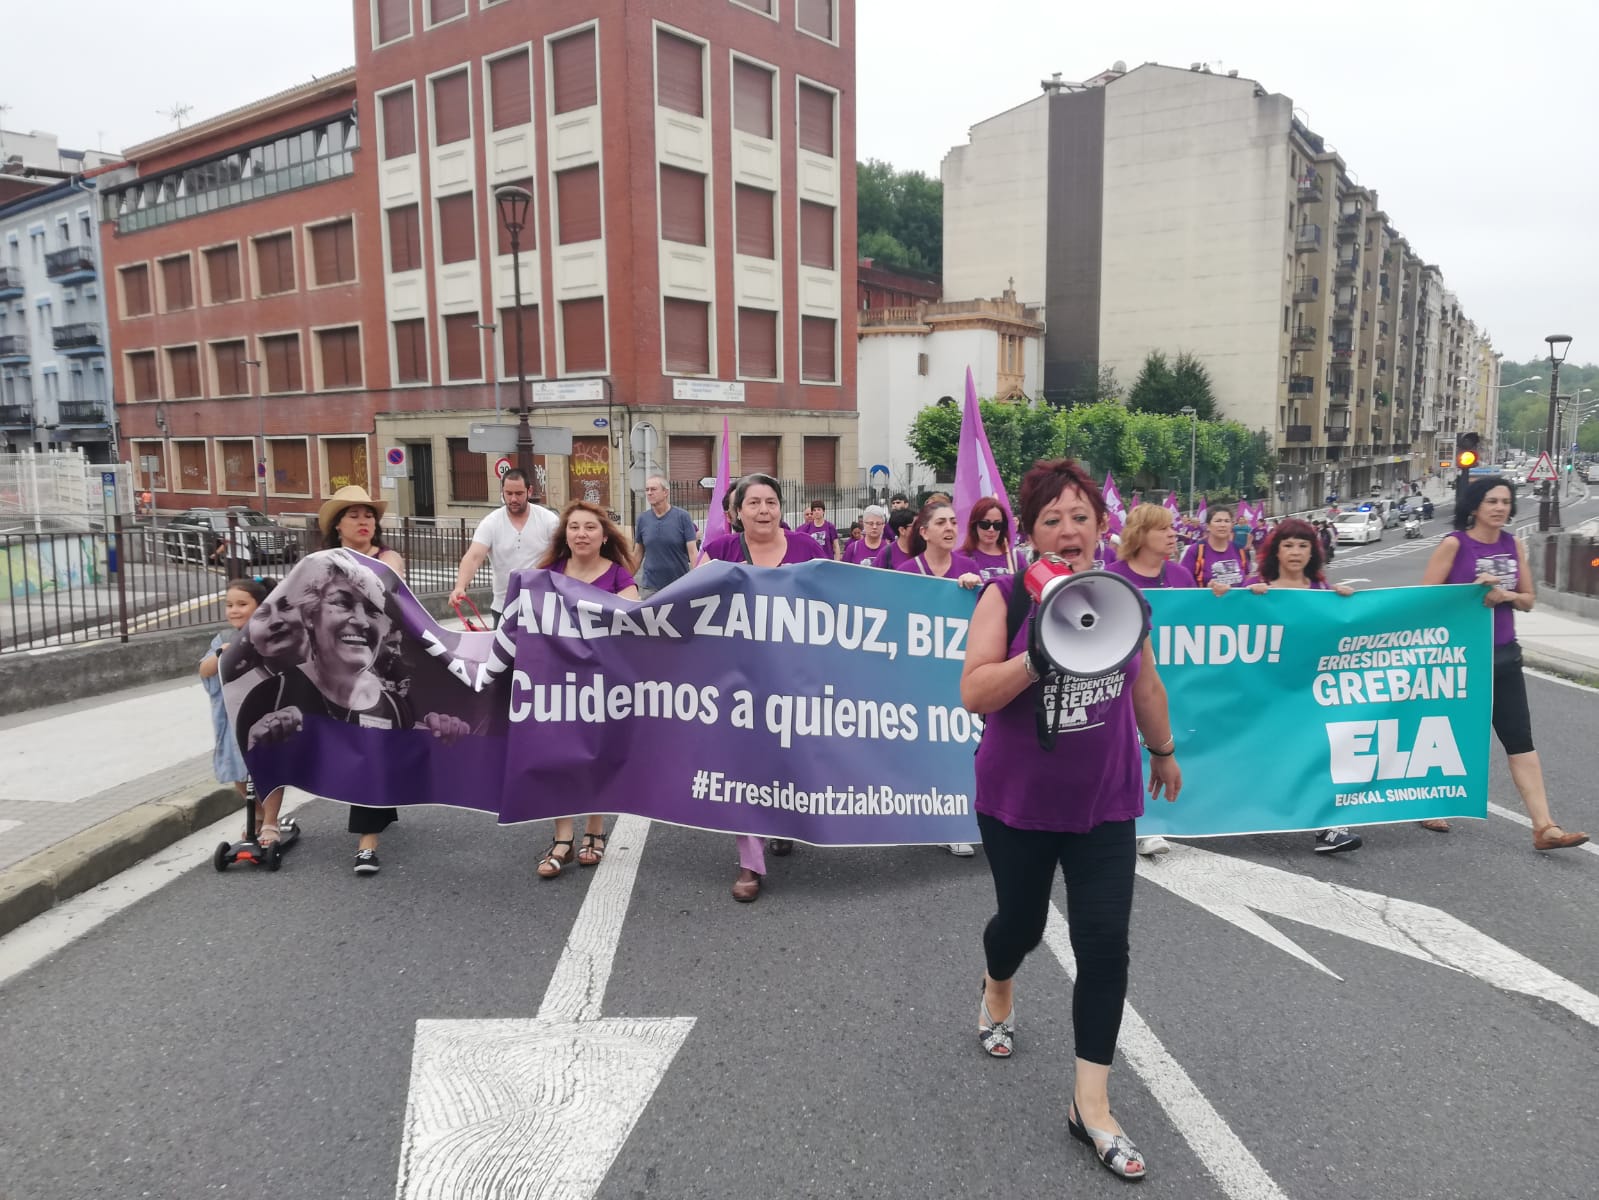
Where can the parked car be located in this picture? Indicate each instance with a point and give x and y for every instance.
(1360, 526)
(202, 535)
(1593, 472)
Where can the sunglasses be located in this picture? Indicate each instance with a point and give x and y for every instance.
(990, 524)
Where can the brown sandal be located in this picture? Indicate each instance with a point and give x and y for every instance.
(1436, 824)
(551, 863)
(592, 851)
(1552, 837)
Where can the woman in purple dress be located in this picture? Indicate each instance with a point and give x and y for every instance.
(932, 547)
(988, 540)
(1072, 805)
(1484, 552)
(1149, 539)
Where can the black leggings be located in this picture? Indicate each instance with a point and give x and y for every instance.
(1098, 869)
(1512, 718)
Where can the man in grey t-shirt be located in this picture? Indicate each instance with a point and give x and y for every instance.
(667, 537)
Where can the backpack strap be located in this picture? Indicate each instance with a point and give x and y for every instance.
(744, 548)
(1016, 609)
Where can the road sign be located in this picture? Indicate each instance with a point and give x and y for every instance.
(396, 464)
(488, 438)
(600, 422)
(1542, 470)
(501, 466)
(569, 391)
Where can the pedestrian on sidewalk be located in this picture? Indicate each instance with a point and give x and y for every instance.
(511, 538)
(666, 536)
(239, 604)
(1484, 552)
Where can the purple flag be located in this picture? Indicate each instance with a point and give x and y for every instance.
(716, 520)
(1114, 509)
(1170, 504)
(1204, 507)
(976, 475)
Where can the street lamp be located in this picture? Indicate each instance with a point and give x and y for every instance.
(513, 203)
(1193, 434)
(1549, 499)
(260, 418)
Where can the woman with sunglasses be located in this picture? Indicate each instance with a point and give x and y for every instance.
(988, 541)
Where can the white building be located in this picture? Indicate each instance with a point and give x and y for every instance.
(44, 150)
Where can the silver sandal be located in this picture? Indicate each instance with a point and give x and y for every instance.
(998, 1038)
(1115, 1151)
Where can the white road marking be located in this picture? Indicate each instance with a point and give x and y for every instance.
(1206, 1131)
(1523, 819)
(1560, 679)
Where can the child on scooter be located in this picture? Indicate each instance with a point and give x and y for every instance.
(242, 598)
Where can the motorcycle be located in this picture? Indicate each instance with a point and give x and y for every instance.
(1412, 527)
(1426, 510)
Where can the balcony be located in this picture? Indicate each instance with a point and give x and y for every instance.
(1345, 267)
(1301, 385)
(75, 264)
(82, 412)
(1344, 311)
(1343, 351)
(1308, 237)
(16, 416)
(1307, 289)
(13, 348)
(81, 338)
(1338, 433)
(1297, 433)
(1310, 190)
(1303, 338)
(10, 283)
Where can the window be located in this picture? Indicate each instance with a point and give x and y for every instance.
(469, 474)
(757, 346)
(528, 237)
(816, 235)
(194, 473)
(752, 98)
(456, 230)
(238, 464)
(232, 376)
(399, 124)
(583, 334)
(755, 231)
(280, 358)
(531, 353)
(411, 351)
(142, 375)
(274, 264)
(135, 291)
(288, 467)
(393, 20)
(679, 74)
(815, 120)
(688, 337)
(177, 283)
(444, 10)
(405, 239)
(815, 16)
(463, 348)
(577, 202)
(818, 361)
(333, 252)
(572, 72)
(758, 454)
(689, 458)
(452, 109)
(346, 463)
(760, 6)
(150, 465)
(183, 364)
(682, 206)
(511, 91)
(340, 350)
(222, 274)
(821, 459)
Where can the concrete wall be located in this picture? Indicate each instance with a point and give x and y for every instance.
(995, 196)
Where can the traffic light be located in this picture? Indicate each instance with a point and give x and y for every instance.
(1466, 450)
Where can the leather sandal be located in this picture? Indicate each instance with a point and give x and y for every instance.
(1552, 837)
(551, 862)
(998, 1038)
(1436, 824)
(592, 851)
(747, 887)
(1115, 1151)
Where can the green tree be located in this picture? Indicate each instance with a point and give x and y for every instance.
(1168, 387)
(908, 207)
(1018, 433)
(1101, 435)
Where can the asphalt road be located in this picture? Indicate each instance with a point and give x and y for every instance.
(252, 1035)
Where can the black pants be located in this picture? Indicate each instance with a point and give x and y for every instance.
(365, 820)
(1098, 869)
(1512, 719)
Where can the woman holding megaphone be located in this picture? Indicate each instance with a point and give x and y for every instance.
(1069, 799)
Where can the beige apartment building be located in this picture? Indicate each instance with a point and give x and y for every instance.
(1172, 209)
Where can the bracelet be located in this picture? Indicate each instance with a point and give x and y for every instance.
(1162, 753)
(1168, 747)
(1030, 667)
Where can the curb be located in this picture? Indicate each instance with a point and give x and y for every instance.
(41, 881)
(1577, 670)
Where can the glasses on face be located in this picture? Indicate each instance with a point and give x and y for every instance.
(990, 524)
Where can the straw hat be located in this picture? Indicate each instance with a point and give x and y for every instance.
(347, 497)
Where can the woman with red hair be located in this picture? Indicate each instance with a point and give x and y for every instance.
(988, 542)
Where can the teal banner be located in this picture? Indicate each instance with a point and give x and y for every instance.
(1304, 710)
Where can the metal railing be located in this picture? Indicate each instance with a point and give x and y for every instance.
(78, 336)
(13, 345)
(16, 416)
(82, 412)
(71, 261)
(10, 279)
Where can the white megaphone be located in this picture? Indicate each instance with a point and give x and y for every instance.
(1088, 622)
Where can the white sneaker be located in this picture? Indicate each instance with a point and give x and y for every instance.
(1149, 847)
(961, 849)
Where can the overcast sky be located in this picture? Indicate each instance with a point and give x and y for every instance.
(1426, 101)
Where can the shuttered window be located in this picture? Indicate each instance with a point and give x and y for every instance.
(679, 74)
(818, 361)
(347, 463)
(757, 344)
(405, 239)
(183, 364)
(333, 252)
(233, 377)
(288, 467)
(816, 235)
(463, 347)
(760, 6)
(177, 282)
(758, 454)
(511, 90)
(456, 230)
(222, 274)
(689, 458)
(572, 72)
(821, 460)
(443, 10)
(752, 98)
(815, 120)
(194, 472)
(238, 464)
(688, 337)
(341, 357)
(274, 264)
(583, 335)
(136, 291)
(452, 109)
(815, 16)
(393, 19)
(532, 353)
(577, 202)
(469, 473)
(411, 351)
(142, 375)
(399, 124)
(280, 358)
(755, 217)
(682, 206)
(528, 237)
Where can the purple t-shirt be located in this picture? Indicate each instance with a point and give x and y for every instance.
(728, 548)
(1209, 565)
(616, 578)
(992, 566)
(824, 535)
(896, 559)
(1172, 575)
(959, 564)
(1095, 772)
(1474, 558)
(859, 553)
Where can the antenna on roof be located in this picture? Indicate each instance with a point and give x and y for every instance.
(176, 113)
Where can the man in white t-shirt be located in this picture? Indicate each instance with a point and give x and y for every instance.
(511, 538)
